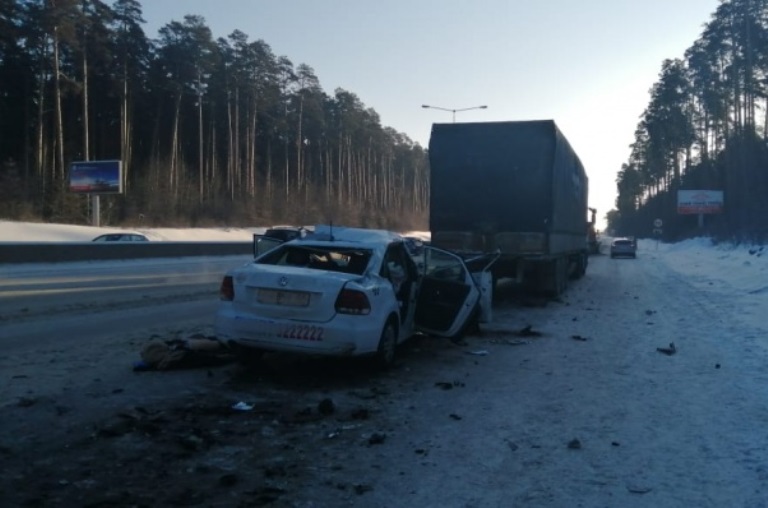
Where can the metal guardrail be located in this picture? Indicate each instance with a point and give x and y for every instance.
(54, 252)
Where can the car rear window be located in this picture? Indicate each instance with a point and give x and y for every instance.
(347, 260)
(623, 243)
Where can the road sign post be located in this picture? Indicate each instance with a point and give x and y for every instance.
(657, 232)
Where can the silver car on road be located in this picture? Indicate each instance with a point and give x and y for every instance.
(623, 247)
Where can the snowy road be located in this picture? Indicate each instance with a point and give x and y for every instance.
(588, 414)
(652, 429)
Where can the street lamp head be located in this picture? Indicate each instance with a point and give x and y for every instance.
(454, 111)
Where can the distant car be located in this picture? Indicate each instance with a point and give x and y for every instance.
(345, 292)
(286, 233)
(121, 237)
(623, 247)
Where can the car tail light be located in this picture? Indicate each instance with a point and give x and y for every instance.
(351, 301)
(227, 289)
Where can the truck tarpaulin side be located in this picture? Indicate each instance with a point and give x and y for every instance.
(517, 187)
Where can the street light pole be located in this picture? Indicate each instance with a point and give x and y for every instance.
(454, 111)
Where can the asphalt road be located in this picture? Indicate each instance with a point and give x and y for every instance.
(586, 413)
(67, 290)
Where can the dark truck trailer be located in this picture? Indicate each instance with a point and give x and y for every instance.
(516, 187)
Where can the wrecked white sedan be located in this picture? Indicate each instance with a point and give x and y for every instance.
(348, 292)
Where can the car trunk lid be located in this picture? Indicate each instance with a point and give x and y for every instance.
(287, 292)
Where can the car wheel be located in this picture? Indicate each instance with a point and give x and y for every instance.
(385, 354)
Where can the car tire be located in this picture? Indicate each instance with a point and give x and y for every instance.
(385, 353)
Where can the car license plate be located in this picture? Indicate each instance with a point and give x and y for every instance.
(278, 297)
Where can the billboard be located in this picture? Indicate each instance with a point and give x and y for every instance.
(699, 201)
(96, 177)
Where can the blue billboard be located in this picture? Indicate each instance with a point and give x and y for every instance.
(96, 177)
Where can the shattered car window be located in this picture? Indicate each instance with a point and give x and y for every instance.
(347, 260)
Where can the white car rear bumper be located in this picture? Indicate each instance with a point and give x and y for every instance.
(344, 335)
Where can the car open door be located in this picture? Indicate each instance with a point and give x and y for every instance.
(448, 296)
(479, 266)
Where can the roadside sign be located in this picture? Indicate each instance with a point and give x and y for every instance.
(96, 177)
(657, 223)
(699, 201)
(657, 231)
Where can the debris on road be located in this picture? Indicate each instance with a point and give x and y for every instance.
(194, 352)
(326, 407)
(510, 342)
(376, 438)
(445, 385)
(228, 480)
(373, 393)
(528, 331)
(360, 414)
(669, 351)
(579, 337)
(242, 406)
(337, 432)
(362, 489)
(479, 352)
(574, 444)
(26, 401)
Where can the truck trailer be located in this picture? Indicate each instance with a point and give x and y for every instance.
(516, 188)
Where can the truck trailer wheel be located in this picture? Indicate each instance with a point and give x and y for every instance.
(581, 266)
(561, 275)
(553, 276)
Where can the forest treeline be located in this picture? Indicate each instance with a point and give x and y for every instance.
(705, 128)
(211, 131)
(221, 131)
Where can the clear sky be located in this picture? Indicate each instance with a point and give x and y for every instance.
(586, 64)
